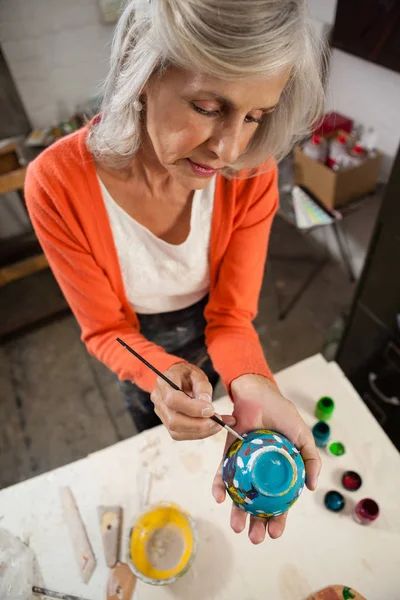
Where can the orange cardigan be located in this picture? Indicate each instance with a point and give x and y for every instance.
(67, 211)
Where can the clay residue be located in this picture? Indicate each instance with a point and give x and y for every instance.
(165, 548)
(192, 462)
(366, 564)
(292, 583)
(150, 444)
(152, 459)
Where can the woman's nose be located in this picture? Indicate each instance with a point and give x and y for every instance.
(227, 142)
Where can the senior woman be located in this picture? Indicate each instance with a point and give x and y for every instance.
(155, 217)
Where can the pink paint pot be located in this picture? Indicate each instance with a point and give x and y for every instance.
(366, 511)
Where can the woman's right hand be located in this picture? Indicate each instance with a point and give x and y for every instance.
(187, 418)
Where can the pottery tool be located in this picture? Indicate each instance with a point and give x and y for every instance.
(83, 550)
(110, 528)
(121, 581)
(51, 594)
(176, 387)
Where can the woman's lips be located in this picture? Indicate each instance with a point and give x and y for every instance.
(202, 170)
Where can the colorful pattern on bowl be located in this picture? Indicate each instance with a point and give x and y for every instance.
(265, 474)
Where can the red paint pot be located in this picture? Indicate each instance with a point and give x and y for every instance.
(351, 481)
(366, 511)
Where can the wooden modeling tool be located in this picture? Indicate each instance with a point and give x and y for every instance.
(51, 594)
(176, 387)
(122, 581)
(110, 527)
(83, 550)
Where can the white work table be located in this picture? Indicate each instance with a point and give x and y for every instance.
(318, 548)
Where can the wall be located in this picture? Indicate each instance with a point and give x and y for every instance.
(13, 118)
(57, 51)
(323, 11)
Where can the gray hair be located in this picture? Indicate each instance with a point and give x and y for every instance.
(228, 39)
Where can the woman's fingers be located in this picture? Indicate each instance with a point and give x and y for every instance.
(257, 530)
(218, 486)
(185, 436)
(179, 402)
(257, 527)
(187, 417)
(180, 425)
(201, 387)
(238, 519)
(191, 380)
(276, 525)
(312, 459)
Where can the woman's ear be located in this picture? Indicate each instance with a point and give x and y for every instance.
(138, 105)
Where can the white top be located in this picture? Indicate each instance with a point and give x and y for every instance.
(318, 547)
(158, 276)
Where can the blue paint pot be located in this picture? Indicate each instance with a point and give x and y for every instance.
(334, 501)
(265, 474)
(321, 432)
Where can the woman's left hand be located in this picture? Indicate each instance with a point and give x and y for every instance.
(258, 404)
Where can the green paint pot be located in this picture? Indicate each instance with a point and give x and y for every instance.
(324, 408)
(336, 449)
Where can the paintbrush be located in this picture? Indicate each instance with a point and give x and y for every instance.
(51, 594)
(176, 387)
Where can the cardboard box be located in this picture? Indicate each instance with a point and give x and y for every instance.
(336, 188)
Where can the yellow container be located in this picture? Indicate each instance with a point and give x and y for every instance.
(162, 544)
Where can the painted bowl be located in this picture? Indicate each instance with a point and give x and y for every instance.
(265, 474)
(162, 544)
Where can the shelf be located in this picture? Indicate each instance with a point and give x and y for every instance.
(22, 268)
(12, 181)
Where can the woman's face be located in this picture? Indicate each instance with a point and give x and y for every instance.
(198, 124)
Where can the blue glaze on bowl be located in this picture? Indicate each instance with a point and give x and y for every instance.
(265, 474)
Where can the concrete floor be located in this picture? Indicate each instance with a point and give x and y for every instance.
(58, 404)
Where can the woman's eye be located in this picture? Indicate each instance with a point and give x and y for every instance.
(203, 111)
(214, 113)
(250, 119)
